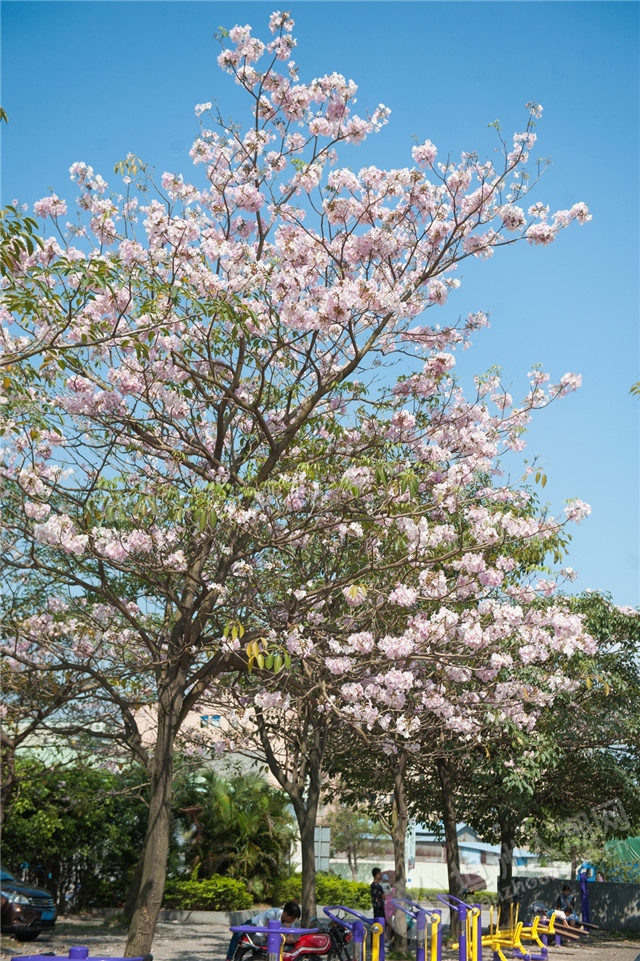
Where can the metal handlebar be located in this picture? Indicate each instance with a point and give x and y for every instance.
(451, 902)
(413, 909)
(280, 929)
(343, 921)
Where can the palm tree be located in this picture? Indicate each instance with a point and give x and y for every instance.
(238, 826)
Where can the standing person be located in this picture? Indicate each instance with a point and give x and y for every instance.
(287, 914)
(377, 894)
(389, 914)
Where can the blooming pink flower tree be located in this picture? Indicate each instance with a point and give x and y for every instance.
(197, 360)
(437, 664)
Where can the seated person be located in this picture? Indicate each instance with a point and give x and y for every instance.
(287, 915)
(566, 907)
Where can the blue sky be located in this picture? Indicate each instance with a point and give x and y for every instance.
(93, 81)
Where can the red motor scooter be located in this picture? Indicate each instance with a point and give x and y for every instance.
(330, 943)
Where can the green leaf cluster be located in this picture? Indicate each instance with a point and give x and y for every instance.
(75, 830)
(216, 893)
(18, 237)
(330, 889)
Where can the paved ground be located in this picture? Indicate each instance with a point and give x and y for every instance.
(183, 941)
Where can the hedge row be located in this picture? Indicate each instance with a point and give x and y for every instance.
(356, 894)
(330, 889)
(228, 894)
(214, 894)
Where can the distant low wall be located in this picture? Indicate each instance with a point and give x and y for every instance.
(209, 917)
(433, 874)
(614, 907)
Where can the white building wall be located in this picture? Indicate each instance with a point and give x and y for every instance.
(433, 874)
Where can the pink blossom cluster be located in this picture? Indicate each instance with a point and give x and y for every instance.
(391, 231)
(225, 442)
(50, 206)
(60, 531)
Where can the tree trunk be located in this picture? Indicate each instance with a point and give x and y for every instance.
(304, 795)
(452, 851)
(156, 843)
(302, 782)
(574, 862)
(134, 888)
(307, 826)
(306, 811)
(400, 823)
(505, 878)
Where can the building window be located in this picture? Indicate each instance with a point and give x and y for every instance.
(209, 720)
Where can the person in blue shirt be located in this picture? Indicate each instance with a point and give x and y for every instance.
(287, 915)
(566, 904)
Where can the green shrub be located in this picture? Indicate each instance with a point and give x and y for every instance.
(289, 889)
(333, 890)
(330, 889)
(621, 872)
(214, 894)
(484, 897)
